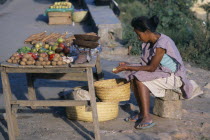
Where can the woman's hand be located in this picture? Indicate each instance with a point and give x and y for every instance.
(123, 64)
(119, 69)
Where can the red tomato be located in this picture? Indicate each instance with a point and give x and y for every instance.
(51, 56)
(61, 45)
(35, 56)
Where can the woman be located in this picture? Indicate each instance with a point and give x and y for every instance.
(161, 68)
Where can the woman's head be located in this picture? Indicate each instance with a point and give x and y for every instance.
(144, 23)
(144, 27)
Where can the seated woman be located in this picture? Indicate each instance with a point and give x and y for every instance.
(161, 68)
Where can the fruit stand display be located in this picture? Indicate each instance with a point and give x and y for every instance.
(53, 49)
(60, 13)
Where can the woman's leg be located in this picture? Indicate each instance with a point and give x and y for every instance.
(143, 98)
(137, 98)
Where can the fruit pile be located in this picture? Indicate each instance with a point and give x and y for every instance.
(42, 54)
(49, 38)
(61, 5)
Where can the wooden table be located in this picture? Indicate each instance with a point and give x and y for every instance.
(76, 72)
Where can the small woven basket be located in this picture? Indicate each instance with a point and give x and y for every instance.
(79, 16)
(86, 37)
(106, 111)
(112, 90)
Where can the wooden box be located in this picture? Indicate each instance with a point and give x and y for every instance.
(57, 18)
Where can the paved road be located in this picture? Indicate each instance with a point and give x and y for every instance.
(21, 18)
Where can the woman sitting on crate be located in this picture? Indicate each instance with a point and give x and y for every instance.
(161, 68)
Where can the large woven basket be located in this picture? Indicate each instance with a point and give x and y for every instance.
(112, 90)
(106, 111)
(79, 16)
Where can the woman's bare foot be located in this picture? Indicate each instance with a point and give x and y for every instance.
(145, 123)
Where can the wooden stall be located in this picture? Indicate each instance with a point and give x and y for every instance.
(76, 72)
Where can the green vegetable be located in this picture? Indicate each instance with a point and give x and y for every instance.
(24, 49)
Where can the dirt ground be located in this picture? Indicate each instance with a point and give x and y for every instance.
(52, 123)
(20, 19)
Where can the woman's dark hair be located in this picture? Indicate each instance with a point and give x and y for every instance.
(144, 23)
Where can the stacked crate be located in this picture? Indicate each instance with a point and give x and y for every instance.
(56, 18)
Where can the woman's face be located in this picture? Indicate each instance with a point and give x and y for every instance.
(143, 36)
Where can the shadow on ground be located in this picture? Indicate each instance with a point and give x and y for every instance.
(43, 18)
(45, 1)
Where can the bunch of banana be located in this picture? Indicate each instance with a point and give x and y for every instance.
(61, 5)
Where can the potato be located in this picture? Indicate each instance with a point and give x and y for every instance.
(54, 63)
(59, 63)
(26, 56)
(64, 63)
(55, 59)
(16, 54)
(38, 63)
(31, 59)
(48, 62)
(29, 62)
(43, 63)
(61, 59)
(57, 55)
(9, 60)
(14, 61)
(33, 62)
(12, 57)
(17, 57)
(43, 55)
(41, 59)
(24, 59)
(45, 58)
(23, 63)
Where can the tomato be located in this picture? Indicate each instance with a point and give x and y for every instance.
(34, 55)
(61, 45)
(51, 56)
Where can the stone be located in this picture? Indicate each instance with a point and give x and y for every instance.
(187, 66)
(205, 95)
(168, 109)
(171, 95)
(207, 86)
(126, 131)
(189, 71)
(180, 135)
(164, 136)
(109, 32)
(109, 28)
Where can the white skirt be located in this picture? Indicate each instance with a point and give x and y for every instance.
(158, 86)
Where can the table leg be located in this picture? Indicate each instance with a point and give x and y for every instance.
(98, 69)
(93, 103)
(14, 112)
(7, 99)
(31, 91)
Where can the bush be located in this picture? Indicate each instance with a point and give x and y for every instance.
(176, 20)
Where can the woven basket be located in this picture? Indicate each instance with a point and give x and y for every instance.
(86, 44)
(106, 111)
(112, 90)
(79, 16)
(86, 37)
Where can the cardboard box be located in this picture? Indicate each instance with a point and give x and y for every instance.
(58, 18)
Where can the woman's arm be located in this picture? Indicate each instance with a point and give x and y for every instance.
(150, 67)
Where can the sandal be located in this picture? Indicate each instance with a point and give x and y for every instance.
(148, 125)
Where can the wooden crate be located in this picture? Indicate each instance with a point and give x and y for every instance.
(56, 18)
